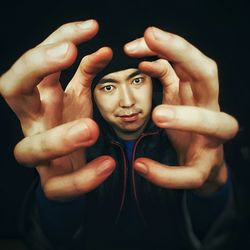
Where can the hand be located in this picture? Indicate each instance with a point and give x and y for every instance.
(57, 124)
(190, 113)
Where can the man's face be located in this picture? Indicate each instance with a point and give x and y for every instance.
(124, 99)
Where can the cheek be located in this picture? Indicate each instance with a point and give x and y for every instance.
(145, 98)
(106, 104)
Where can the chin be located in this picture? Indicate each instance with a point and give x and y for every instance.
(130, 128)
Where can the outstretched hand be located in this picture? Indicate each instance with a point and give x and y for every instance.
(190, 112)
(57, 124)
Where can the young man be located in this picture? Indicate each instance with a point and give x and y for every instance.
(124, 99)
(145, 198)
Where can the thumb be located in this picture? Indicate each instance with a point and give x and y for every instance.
(162, 70)
(89, 67)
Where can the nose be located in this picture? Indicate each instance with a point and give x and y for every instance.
(127, 98)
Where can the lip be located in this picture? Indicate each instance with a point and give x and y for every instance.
(130, 118)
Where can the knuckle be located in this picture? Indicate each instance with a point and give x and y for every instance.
(234, 127)
(50, 189)
(18, 154)
(84, 60)
(5, 90)
(30, 62)
(45, 145)
(8, 84)
(48, 192)
(85, 67)
(8, 92)
(163, 68)
(23, 155)
(78, 187)
(180, 42)
(65, 28)
(200, 179)
(27, 58)
(211, 69)
(168, 73)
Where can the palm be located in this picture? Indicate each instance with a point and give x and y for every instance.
(58, 107)
(189, 145)
(190, 113)
(57, 124)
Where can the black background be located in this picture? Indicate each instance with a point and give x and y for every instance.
(218, 28)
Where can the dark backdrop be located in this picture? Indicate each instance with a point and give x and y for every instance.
(219, 28)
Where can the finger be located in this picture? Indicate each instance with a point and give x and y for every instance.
(56, 142)
(19, 85)
(197, 120)
(189, 63)
(177, 177)
(75, 32)
(162, 70)
(186, 94)
(21, 80)
(138, 48)
(88, 68)
(169, 46)
(51, 95)
(81, 181)
(177, 50)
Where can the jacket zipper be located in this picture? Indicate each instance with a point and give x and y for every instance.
(133, 175)
(124, 179)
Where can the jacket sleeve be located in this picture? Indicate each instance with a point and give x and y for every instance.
(60, 220)
(205, 210)
(206, 216)
(49, 225)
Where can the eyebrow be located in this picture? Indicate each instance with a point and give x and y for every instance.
(111, 80)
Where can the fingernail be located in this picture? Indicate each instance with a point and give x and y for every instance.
(85, 25)
(141, 168)
(159, 34)
(131, 46)
(79, 133)
(164, 114)
(58, 51)
(104, 169)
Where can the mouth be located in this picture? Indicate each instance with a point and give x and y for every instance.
(129, 118)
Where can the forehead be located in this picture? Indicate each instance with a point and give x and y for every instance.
(121, 73)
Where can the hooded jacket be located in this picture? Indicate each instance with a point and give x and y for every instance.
(159, 219)
(162, 215)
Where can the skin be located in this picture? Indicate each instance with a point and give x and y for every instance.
(120, 98)
(46, 112)
(32, 89)
(190, 113)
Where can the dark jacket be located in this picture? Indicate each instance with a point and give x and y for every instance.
(162, 216)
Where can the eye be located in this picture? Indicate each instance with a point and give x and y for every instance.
(108, 88)
(137, 80)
